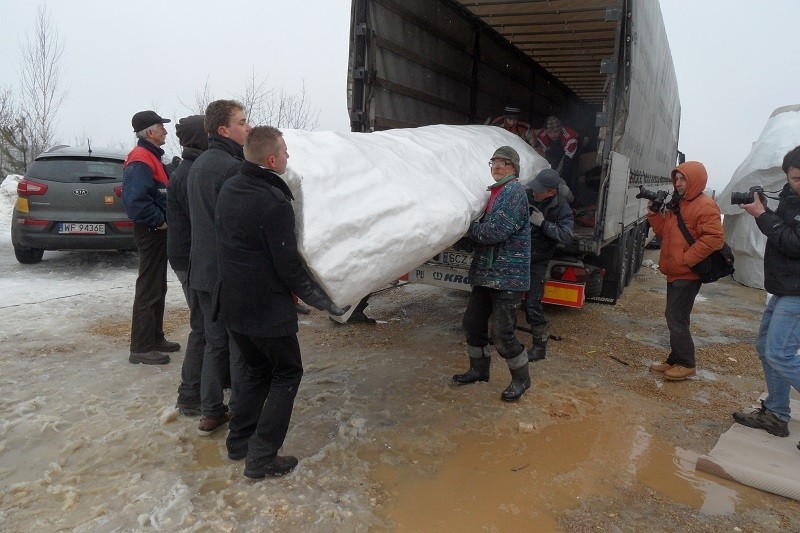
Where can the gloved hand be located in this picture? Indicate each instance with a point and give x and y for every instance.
(537, 217)
(313, 295)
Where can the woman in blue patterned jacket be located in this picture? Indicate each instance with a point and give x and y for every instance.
(499, 275)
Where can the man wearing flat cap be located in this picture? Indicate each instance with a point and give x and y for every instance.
(144, 195)
(510, 121)
(499, 275)
(551, 223)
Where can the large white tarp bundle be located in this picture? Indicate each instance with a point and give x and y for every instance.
(762, 166)
(372, 206)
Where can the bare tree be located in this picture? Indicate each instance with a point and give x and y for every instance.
(202, 97)
(293, 111)
(41, 87)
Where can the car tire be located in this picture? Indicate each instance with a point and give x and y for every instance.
(28, 256)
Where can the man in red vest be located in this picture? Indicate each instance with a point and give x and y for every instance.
(510, 121)
(144, 195)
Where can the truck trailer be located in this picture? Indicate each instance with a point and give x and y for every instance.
(602, 66)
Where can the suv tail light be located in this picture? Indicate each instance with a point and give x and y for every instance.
(569, 273)
(27, 188)
(118, 191)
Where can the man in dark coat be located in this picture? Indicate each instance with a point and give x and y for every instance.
(259, 270)
(144, 188)
(552, 223)
(194, 140)
(226, 125)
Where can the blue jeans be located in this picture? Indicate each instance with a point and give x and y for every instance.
(778, 345)
(221, 359)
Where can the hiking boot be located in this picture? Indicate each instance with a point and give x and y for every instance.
(764, 419)
(679, 373)
(167, 346)
(189, 408)
(209, 424)
(278, 466)
(660, 367)
(148, 358)
(361, 318)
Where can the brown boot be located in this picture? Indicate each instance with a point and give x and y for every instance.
(660, 367)
(679, 373)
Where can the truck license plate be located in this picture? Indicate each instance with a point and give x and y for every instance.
(456, 258)
(82, 228)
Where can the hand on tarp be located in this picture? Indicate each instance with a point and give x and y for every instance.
(464, 244)
(537, 217)
(313, 295)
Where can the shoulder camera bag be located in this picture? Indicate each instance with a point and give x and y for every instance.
(717, 265)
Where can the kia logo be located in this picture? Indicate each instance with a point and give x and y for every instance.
(80, 192)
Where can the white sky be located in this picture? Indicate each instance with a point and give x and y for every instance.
(734, 60)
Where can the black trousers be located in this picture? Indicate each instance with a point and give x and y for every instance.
(273, 370)
(147, 322)
(680, 301)
(534, 311)
(499, 306)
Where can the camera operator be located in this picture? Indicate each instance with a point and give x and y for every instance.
(779, 335)
(702, 218)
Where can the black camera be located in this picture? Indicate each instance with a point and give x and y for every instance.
(748, 197)
(658, 197)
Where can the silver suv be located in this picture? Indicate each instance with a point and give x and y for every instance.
(71, 199)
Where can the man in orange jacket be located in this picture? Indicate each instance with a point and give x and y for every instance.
(702, 218)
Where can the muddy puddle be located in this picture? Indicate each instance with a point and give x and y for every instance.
(522, 475)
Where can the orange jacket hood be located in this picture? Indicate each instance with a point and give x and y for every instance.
(696, 178)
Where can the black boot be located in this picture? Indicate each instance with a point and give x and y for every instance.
(520, 378)
(540, 334)
(479, 363)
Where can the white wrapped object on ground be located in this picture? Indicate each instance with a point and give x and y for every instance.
(372, 206)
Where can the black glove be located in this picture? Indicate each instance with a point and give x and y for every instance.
(313, 295)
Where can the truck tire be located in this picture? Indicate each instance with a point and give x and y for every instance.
(630, 254)
(643, 228)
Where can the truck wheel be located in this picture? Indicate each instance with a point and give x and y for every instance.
(630, 255)
(594, 283)
(28, 256)
(640, 241)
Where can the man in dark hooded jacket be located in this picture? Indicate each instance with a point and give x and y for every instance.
(227, 126)
(552, 223)
(194, 140)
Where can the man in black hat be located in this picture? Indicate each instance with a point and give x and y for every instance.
(551, 223)
(510, 121)
(144, 195)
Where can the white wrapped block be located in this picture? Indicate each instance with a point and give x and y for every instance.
(370, 207)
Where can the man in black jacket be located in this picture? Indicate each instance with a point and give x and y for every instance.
(259, 269)
(226, 125)
(778, 343)
(194, 140)
(552, 224)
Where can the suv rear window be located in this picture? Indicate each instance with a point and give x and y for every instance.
(75, 169)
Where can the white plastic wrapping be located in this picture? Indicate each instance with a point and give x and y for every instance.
(762, 166)
(372, 206)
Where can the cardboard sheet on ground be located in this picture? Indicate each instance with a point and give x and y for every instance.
(757, 459)
(372, 206)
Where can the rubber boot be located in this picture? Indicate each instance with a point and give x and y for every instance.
(480, 359)
(520, 378)
(538, 350)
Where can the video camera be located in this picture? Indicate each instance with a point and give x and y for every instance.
(748, 197)
(658, 197)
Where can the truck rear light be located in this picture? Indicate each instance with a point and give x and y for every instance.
(118, 191)
(569, 273)
(27, 188)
